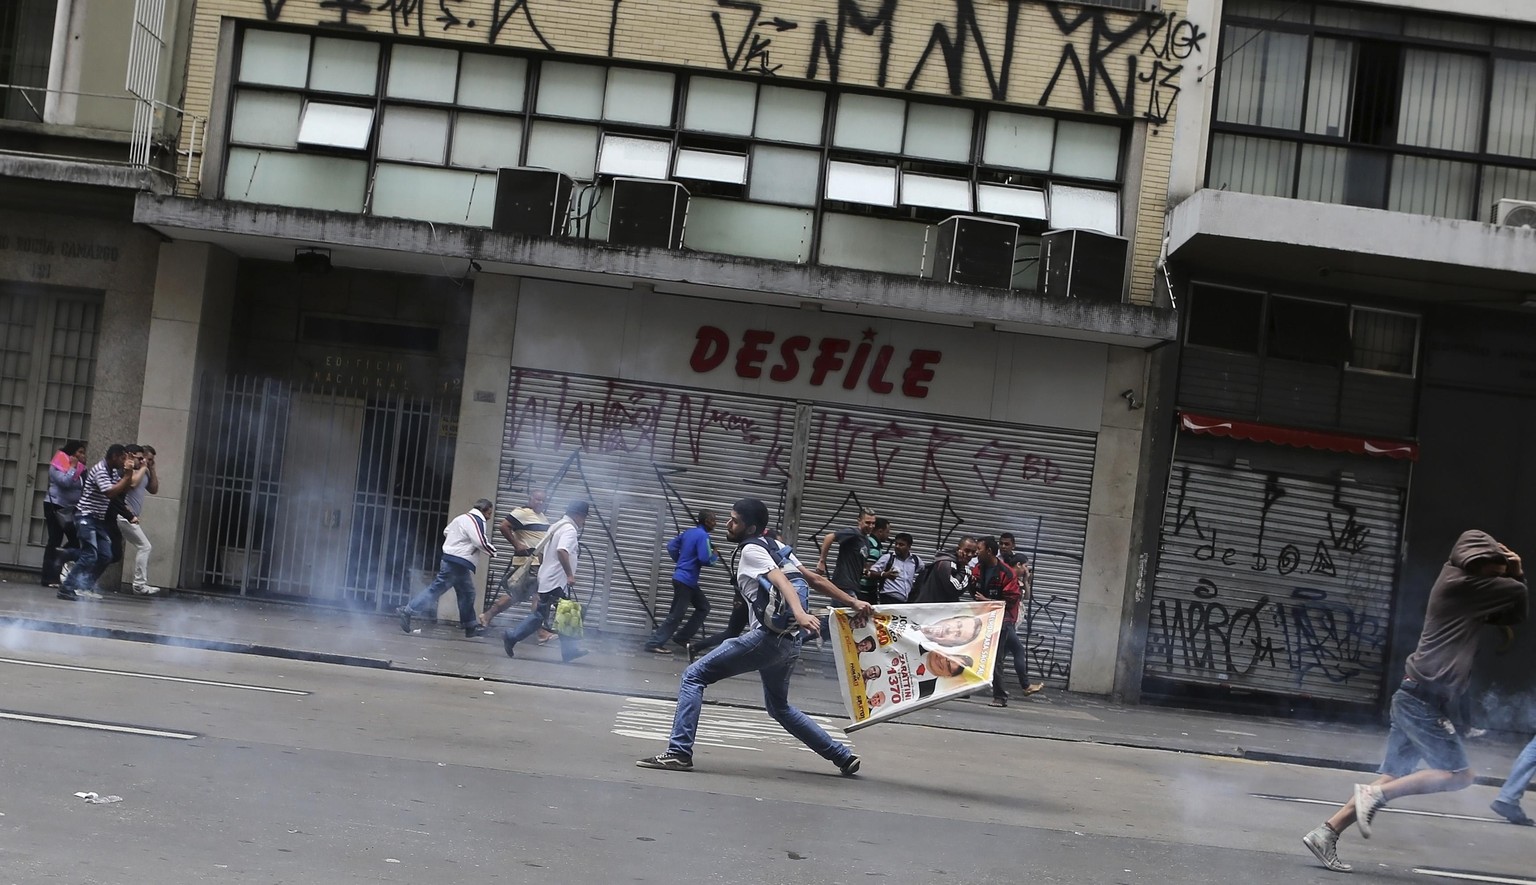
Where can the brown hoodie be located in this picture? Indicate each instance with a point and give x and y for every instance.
(1460, 604)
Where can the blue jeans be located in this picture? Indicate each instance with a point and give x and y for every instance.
(449, 574)
(773, 657)
(534, 621)
(95, 553)
(1520, 776)
(683, 595)
(1010, 642)
(1422, 730)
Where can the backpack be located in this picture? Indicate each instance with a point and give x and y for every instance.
(772, 609)
(675, 547)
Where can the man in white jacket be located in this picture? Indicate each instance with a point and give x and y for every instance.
(463, 540)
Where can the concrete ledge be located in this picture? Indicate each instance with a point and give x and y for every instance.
(241, 648)
(85, 172)
(273, 232)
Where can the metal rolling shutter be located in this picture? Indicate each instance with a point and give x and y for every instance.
(646, 455)
(940, 478)
(1274, 583)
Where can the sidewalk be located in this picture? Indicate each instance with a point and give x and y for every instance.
(619, 666)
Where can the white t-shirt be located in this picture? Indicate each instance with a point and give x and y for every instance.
(562, 536)
(753, 563)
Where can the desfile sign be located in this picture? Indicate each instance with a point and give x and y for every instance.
(828, 360)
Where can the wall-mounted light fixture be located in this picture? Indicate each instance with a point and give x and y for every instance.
(312, 260)
(1133, 402)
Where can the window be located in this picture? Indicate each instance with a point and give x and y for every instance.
(1383, 341)
(1307, 331)
(1230, 319)
(1373, 108)
(26, 39)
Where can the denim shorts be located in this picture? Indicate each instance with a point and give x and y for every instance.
(1421, 731)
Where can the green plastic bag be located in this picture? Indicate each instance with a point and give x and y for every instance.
(568, 618)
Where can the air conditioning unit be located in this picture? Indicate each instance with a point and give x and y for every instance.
(1515, 213)
(971, 251)
(646, 212)
(1083, 264)
(531, 202)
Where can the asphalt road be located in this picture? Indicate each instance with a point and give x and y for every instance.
(263, 770)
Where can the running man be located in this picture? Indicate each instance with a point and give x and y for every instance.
(1483, 583)
(770, 653)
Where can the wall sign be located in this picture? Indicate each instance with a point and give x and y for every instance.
(827, 360)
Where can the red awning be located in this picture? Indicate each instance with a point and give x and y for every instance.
(1305, 439)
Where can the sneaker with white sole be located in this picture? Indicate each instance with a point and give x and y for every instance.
(668, 761)
(850, 767)
(1368, 801)
(146, 590)
(1324, 845)
(92, 593)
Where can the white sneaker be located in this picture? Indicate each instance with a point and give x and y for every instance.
(146, 590)
(92, 593)
(1368, 801)
(1324, 845)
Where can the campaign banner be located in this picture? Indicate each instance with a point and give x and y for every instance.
(907, 657)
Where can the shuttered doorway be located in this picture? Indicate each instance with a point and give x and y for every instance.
(1274, 583)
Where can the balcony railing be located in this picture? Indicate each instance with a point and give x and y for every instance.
(162, 138)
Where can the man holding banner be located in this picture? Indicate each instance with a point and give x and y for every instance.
(767, 572)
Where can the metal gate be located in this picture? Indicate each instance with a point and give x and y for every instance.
(326, 495)
(647, 455)
(1274, 583)
(47, 369)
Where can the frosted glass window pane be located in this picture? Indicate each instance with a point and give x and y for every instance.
(1442, 100)
(564, 147)
(938, 132)
(870, 123)
(857, 183)
(639, 97)
(1087, 150)
(1441, 188)
(414, 134)
(716, 105)
(491, 81)
(350, 66)
(1512, 117)
(306, 181)
(1015, 202)
(712, 166)
(274, 59)
(422, 73)
(784, 175)
(785, 114)
(266, 118)
(447, 195)
(567, 90)
(750, 229)
(1331, 86)
(641, 157)
(1018, 141)
(878, 244)
(1084, 208)
(939, 193)
(335, 125)
(484, 142)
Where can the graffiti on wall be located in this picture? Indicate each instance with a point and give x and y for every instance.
(688, 449)
(1116, 62)
(1308, 602)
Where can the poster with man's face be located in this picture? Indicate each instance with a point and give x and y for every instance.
(906, 657)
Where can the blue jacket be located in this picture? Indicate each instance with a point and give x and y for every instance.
(694, 554)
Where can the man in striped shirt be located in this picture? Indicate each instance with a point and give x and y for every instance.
(105, 481)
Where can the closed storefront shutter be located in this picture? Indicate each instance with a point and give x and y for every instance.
(646, 455)
(940, 478)
(1275, 583)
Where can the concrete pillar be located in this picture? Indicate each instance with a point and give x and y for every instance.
(188, 339)
(1108, 548)
(482, 410)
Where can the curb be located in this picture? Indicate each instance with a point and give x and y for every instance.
(246, 648)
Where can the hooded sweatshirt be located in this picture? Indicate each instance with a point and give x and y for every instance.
(1460, 605)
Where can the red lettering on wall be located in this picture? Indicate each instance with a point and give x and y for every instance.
(914, 382)
(710, 350)
(752, 353)
(828, 357)
(789, 356)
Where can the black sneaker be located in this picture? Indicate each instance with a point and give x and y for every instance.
(508, 643)
(851, 767)
(405, 618)
(668, 761)
(68, 595)
(474, 631)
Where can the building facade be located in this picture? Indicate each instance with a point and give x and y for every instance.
(1351, 235)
